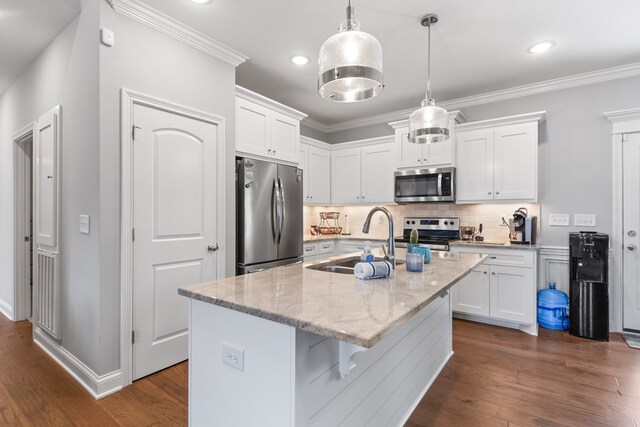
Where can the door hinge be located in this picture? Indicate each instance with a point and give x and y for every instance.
(133, 337)
(133, 234)
(625, 137)
(133, 131)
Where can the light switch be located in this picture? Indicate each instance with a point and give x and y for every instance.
(584, 220)
(84, 224)
(559, 220)
(107, 37)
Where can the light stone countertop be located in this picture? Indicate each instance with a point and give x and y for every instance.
(493, 245)
(334, 305)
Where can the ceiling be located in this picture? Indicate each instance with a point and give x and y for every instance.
(477, 47)
(26, 28)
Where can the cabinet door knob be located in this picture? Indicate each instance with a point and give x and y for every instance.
(632, 247)
(497, 192)
(274, 152)
(212, 248)
(489, 192)
(268, 150)
(493, 273)
(311, 197)
(424, 160)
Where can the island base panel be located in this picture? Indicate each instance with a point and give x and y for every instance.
(291, 377)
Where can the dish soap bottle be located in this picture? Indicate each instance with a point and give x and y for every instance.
(366, 254)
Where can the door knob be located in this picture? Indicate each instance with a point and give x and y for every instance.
(632, 247)
(212, 248)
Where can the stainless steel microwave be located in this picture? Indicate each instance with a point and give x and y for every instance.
(425, 185)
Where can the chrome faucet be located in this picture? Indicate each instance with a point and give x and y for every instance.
(391, 257)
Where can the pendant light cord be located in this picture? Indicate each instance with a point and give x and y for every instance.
(428, 95)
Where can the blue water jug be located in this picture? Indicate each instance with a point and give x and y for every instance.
(553, 308)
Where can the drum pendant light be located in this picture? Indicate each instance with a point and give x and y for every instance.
(429, 123)
(350, 64)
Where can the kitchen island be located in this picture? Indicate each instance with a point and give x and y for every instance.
(296, 346)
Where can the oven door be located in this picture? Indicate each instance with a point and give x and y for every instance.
(425, 185)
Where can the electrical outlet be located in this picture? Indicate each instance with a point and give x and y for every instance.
(233, 356)
(561, 220)
(84, 224)
(584, 220)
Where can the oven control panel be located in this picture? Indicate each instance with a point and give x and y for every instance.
(431, 223)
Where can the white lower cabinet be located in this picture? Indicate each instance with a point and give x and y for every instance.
(471, 294)
(502, 290)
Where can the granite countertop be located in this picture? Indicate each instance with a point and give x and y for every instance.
(321, 237)
(335, 305)
(493, 245)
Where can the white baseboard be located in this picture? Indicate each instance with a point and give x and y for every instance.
(415, 404)
(98, 386)
(6, 309)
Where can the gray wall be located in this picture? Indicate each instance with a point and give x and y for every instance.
(66, 73)
(575, 170)
(146, 61)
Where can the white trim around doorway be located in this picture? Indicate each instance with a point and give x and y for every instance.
(623, 122)
(128, 99)
(21, 288)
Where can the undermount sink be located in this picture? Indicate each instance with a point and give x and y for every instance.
(343, 266)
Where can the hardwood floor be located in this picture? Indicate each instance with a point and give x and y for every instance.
(497, 377)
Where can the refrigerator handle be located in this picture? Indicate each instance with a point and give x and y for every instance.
(274, 211)
(282, 209)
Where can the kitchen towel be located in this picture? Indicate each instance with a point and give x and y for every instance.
(372, 270)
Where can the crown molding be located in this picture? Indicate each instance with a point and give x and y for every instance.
(538, 116)
(244, 93)
(152, 18)
(624, 121)
(315, 142)
(583, 79)
(364, 142)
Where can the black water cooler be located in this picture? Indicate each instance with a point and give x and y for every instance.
(589, 285)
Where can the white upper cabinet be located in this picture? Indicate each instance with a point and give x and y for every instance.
(363, 174)
(345, 176)
(498, 159)
(316, 164)
(425, 155)
(265, 128)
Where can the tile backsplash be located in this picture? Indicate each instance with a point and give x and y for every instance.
(489, 215)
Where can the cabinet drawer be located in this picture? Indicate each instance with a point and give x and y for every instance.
(502, 257)
(325, 247)
(348, 247)
(310, 249)
(515, 258)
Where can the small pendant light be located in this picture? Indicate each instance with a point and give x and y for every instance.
(429, 123)
(350, 64)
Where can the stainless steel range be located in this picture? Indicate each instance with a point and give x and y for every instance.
(433, 232)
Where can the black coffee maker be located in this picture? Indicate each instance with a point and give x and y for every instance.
(522, 227)
(589, 285)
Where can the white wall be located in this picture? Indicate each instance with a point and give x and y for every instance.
(146, 61)
(66, 73)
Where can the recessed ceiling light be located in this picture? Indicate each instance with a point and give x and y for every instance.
(300, 60)
(541, 47)
(201, 1)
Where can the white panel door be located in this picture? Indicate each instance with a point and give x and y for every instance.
(474, 165)
(285, 138)
(471, 293)
(515, 155)
(47, 184)
(377, 173)
(512, 294)
(345, 176)
(175, 221)
(631, 227)
(318, 175)
(411, 155)
(253, 128)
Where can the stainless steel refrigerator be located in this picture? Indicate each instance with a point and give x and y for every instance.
(269, 215)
